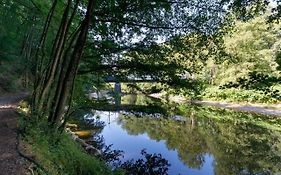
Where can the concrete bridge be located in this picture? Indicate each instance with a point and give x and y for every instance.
(112, 79)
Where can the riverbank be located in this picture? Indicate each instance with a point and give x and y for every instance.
(55, 153)
(274, 110)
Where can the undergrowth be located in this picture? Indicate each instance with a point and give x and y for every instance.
(58, 153)
(240, 95)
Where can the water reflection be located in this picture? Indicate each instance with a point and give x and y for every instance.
(197, 145)
(133, 143)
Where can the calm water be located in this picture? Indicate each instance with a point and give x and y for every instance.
(198, 140)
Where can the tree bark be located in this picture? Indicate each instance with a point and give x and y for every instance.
(39, 61)
(71, 71)
(56, 56)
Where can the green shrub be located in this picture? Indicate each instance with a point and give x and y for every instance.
(242, 95)
(60, 154)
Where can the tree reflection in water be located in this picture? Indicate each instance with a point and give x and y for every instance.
(241, 143)
(237, 143)
(152, 164)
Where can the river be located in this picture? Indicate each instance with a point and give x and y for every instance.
(195, 140)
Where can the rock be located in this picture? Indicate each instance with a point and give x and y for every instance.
(94, 151)
(71, 125)
(83, 133)
(89, 148)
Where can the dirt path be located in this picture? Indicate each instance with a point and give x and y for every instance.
(259, 109)
(10, 161)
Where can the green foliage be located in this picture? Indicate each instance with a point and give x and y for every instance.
(145, 88)
(225, 134)
(262, 85)
(250, 64)
(19, 30)
(153, 164)
(254, 52)
(242, 95)
(58, 153)
(255, 80)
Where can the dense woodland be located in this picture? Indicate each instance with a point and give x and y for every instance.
(61, 50)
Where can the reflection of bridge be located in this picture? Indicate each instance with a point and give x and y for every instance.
(131, 108)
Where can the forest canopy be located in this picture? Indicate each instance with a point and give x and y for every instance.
(73, 55)
(161, 40)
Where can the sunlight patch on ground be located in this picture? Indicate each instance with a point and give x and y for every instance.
(7, 106)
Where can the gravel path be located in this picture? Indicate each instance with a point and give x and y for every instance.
(10, 161)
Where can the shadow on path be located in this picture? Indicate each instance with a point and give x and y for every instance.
(10, 161)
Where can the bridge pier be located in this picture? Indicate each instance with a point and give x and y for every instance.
(117, 93)
(117, 88)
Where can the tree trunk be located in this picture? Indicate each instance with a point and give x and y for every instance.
(56, 55)
(68, 80)
(39, 61)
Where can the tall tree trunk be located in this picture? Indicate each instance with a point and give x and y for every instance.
(56, 56)
(58, 53)
(62, 73)
(39, 61)
(71, 71)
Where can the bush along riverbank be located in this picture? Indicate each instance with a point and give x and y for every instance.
(57, 152)
(241, 95)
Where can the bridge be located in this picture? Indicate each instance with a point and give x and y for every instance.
(112, 79)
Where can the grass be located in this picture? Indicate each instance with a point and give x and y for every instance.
(58, 153)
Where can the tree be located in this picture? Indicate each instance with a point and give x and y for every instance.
(237, 143)
(254, 52)
(17, 40)
(115, 24)
(118, 31)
